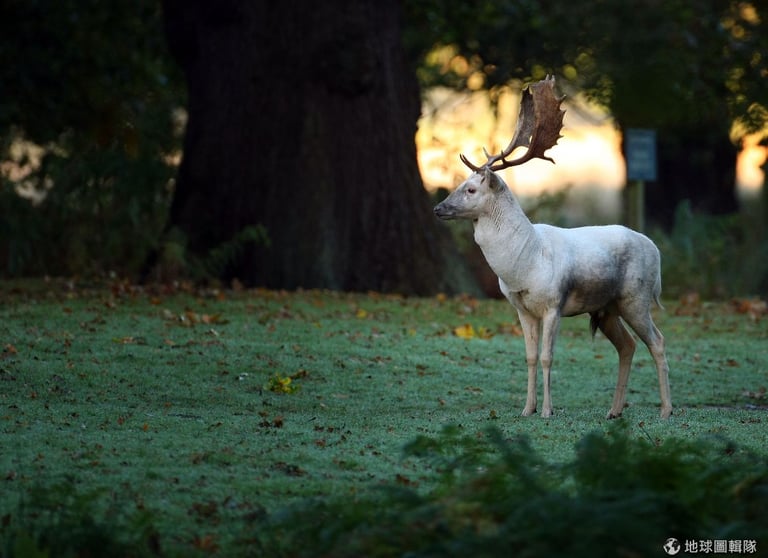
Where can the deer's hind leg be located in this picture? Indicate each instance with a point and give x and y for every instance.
(642, 322)
(609, 322)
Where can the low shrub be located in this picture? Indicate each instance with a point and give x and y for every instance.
(62, 521)
(481, 495)
(715, 256)
(496, 497)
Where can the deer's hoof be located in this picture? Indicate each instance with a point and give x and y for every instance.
(666, 412)
(546, 413)
(528, 412)
(613, 414)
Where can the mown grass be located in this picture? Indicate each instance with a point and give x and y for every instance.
(176, 405)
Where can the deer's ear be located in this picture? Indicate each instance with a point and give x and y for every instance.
(493, 180)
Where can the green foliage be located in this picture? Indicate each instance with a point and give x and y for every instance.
(497, 497)
(93, 71)
(696, 74)
(175, 261)
(493, 496)
(715, 256)
(104, 212)
(98, 98)
(686, 62)
(62, 521)
(216, 262)
(502, 40)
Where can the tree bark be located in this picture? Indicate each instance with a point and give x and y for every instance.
(303, 121)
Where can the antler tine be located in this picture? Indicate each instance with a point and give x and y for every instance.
(524, 128)
(521, 138)
(474, 167)
(538, 126)
(469, 163)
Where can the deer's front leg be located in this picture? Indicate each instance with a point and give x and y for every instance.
(550, 325)
(530, 327)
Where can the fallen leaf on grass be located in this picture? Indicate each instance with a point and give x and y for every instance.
(205, 510)
(206, 543)
(690, 305)
(282, 384)
(754, 308)
(285, 384)
(190, 318)
(278, 422)
(466, 331)
(484, 333)
(511, 329)
(405, 481)
(129, 340)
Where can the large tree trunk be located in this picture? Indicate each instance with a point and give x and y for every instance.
(303, 121)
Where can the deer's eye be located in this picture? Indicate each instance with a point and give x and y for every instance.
(471, 190)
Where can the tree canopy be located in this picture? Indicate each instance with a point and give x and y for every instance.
(94, 88)
(695, 71)
(651, 63)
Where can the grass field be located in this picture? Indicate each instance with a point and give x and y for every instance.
(209, 409)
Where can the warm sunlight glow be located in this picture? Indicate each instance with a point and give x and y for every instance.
(588, 155)
(750, 177)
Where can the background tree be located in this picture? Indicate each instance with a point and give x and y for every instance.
(304, 128)
(688, 69)
(86, 128)
(303, 122)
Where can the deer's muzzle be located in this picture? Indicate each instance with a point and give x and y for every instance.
(445, 211)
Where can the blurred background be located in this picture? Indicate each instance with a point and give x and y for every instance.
(303, 147)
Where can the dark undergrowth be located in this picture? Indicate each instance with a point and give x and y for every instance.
(490, 496)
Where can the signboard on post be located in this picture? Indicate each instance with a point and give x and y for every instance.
(640, 149)
(640, 152)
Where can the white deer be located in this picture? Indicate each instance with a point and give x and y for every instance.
(610, 272)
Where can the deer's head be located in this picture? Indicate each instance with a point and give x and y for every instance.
(538, 128)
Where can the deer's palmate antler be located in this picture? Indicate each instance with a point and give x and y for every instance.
(538, 127)
(611, 272)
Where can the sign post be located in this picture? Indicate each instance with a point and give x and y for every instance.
(640, 150)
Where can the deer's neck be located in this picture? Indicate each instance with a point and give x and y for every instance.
(508, 240)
